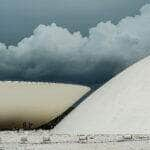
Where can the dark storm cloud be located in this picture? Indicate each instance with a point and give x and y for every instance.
(18, 18)
(52, 53)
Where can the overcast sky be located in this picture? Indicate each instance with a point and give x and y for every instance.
(51, 53)
(18, 18)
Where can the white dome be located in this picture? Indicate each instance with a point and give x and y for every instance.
(121, 106)
(30, 105)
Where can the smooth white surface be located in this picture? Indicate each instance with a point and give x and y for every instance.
(121, 106)
(30, 104)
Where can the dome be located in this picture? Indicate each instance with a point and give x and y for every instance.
(121, 106)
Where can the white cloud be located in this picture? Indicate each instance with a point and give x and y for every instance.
(52, 53)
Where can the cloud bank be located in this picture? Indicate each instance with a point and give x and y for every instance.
(52, 53)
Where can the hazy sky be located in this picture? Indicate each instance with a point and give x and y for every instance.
(18, 18)
(54, 54)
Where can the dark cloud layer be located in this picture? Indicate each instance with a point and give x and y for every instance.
(52, 53)
(18, 18)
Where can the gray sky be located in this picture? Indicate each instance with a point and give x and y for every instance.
(18, 18)
(54, 54)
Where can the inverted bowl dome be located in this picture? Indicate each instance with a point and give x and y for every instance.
(29, 105)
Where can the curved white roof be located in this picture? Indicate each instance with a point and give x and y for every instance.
(121, 106)
(30, 104)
